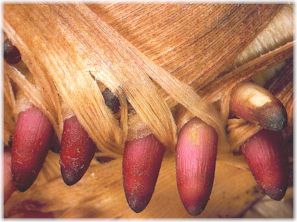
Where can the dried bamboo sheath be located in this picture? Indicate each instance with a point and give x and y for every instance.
(171, 62)
(71, 46)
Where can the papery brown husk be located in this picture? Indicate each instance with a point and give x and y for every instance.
(179, 50)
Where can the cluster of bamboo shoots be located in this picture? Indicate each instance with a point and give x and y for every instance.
(197, 141)
(196, 149)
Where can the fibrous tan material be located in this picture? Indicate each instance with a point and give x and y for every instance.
(171, 62)
(67, 62)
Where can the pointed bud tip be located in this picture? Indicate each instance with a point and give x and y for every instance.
(273, 117)
(196, 209)
(77, 151)
(24, 186)
(70, 177)
(141, 164)
(256, 104)
(195, 164)
(268, 162)
(275, 193)
(29, 147)
(24, 179)
(136, 203)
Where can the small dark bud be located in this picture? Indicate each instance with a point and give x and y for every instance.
(111, 100)
(11, 54)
